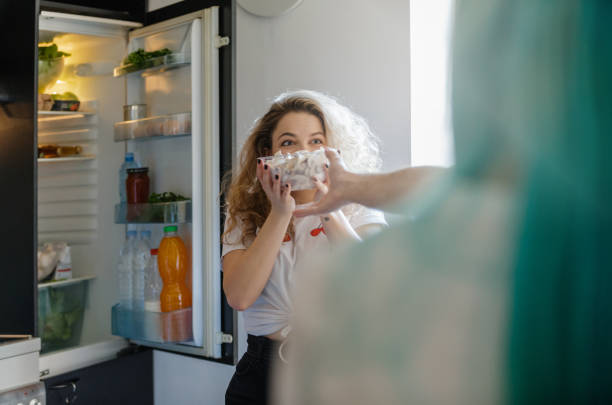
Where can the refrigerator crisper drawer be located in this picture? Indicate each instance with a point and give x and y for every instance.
(159, 327)
(163, 125)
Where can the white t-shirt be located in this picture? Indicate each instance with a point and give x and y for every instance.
(271, 310)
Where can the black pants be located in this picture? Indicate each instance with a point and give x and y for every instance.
(250, 383)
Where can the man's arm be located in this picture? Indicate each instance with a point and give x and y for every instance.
(372, 190)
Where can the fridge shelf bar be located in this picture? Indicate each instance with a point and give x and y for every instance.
(178, 212)
(77, 158)
(170, 125)
(154, 65)
(160, 327)
(61, 283)
(44, 115)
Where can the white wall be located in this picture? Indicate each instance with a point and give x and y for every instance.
(357, 51)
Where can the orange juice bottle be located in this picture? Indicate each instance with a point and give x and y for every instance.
(172, 264)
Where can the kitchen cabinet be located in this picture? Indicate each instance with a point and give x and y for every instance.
(127, 379)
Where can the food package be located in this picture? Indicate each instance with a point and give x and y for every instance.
(53, 151)
(47, 151)
(45, 102)
(69, 150)
(63, 270)
(298, 168)
(48, 258)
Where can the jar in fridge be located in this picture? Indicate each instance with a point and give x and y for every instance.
(137, 185)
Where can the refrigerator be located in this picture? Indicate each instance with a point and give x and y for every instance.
(185, 140)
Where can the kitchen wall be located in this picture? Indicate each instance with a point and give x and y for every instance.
(357, 51)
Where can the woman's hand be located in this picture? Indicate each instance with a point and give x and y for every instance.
(332, 194)
(279, 195)
(336, 226)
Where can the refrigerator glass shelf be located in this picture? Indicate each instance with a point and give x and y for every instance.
(61, 283)
(178, 212)
(75, 158)
(160, 327)
(44, 115)
(170, 125)
(154, 65)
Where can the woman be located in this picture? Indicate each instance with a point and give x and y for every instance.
(263, 244)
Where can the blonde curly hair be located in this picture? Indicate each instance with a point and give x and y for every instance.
(247, 203)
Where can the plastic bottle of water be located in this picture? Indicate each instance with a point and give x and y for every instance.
(142, 257)
(129, 163)
(125, 270)
(153, 284)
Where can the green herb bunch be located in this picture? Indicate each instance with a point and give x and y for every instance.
(140, 59)
(50, 52)
(165, 197)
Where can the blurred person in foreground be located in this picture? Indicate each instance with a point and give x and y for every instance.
(498, 287)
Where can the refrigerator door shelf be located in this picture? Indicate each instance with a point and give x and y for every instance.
(178, 212)
(154, 65)
(159, 327)
(169, 125)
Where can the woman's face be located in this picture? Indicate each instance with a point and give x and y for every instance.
(298, 131)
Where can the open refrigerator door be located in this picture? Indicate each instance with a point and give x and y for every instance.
(178, 141)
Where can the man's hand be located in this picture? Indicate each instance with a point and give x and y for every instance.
(338, 184)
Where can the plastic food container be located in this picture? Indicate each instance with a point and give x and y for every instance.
(298, 168)
(48, 72)
(65, 105)
(61, 306)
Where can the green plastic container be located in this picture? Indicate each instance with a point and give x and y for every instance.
(61, 306)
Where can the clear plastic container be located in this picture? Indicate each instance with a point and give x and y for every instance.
(125, 270)
(298, 168)
(128, 163)
(153, 284)
(60, 314)
(142, 256)
(163, 125)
